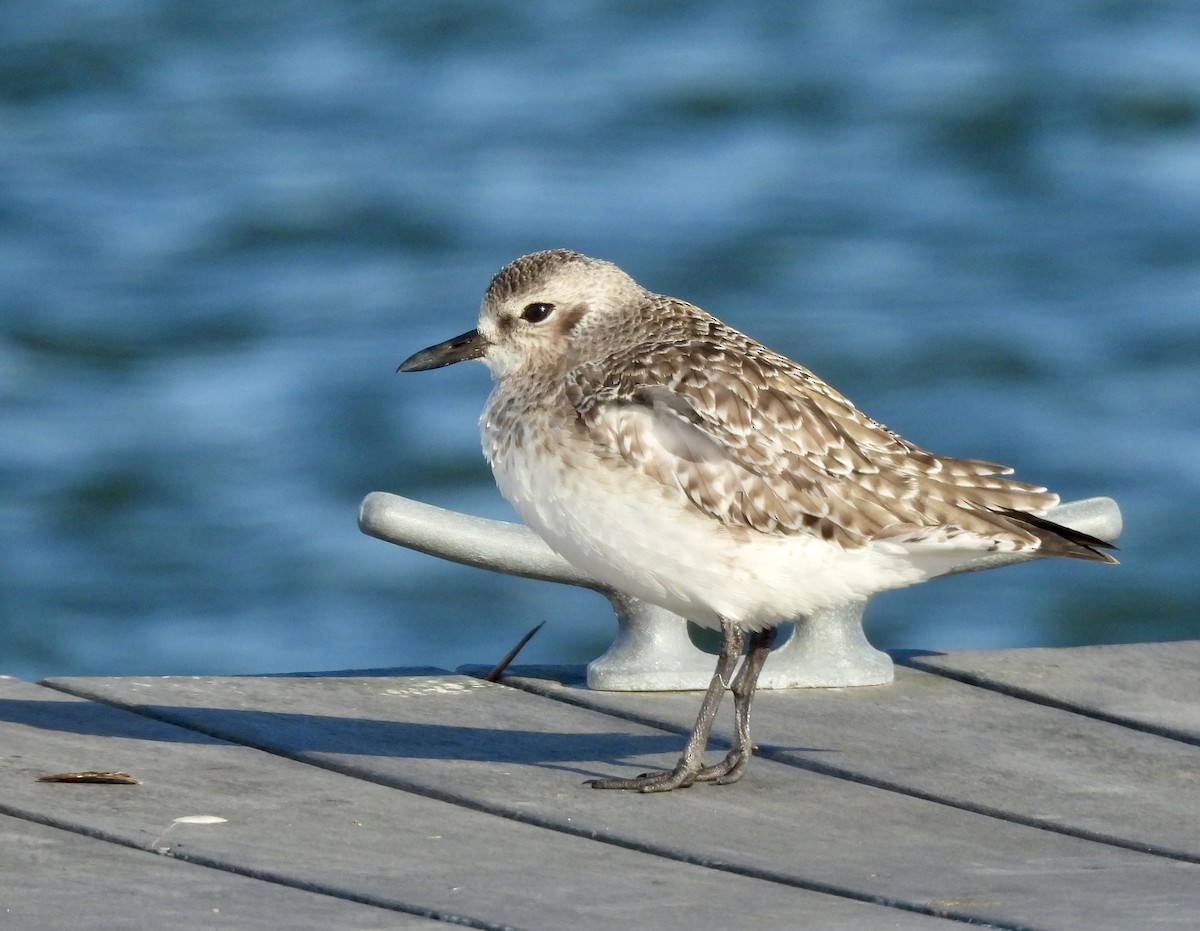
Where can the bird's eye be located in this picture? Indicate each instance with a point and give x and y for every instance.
(537, 312)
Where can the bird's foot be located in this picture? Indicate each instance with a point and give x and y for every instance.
(728, 771)
(680, 777)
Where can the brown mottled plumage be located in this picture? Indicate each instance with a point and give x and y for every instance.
(686, 464)
(766, 444)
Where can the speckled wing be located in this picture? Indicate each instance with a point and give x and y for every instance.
(754, 440)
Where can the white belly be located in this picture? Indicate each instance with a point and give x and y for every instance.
(627, 530)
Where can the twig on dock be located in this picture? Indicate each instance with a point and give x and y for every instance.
(498, 671)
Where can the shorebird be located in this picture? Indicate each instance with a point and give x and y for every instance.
(682, 462)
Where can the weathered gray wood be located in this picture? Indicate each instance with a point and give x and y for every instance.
(56, 880)
(976, 748)
(311, 828)
(1155, 686)
(522, 755)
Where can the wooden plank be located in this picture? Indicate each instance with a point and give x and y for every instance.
(1153, 686)
(56, 879)
(294, 825)
(520, 755)
(941, 739)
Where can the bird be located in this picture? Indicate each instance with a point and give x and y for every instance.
(682, 462)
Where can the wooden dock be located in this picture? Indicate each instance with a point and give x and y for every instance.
(1031, 789)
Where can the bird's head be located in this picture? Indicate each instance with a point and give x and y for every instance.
(533, 311)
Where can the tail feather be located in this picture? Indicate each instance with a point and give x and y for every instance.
(1059, 540)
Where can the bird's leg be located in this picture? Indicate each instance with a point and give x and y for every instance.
(734, 765)
(691, 764)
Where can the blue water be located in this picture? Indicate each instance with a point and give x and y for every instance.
(222, 226)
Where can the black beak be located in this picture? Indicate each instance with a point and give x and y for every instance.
(460, 349)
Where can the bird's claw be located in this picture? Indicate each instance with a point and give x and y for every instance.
(678, 778)
(727, 772)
